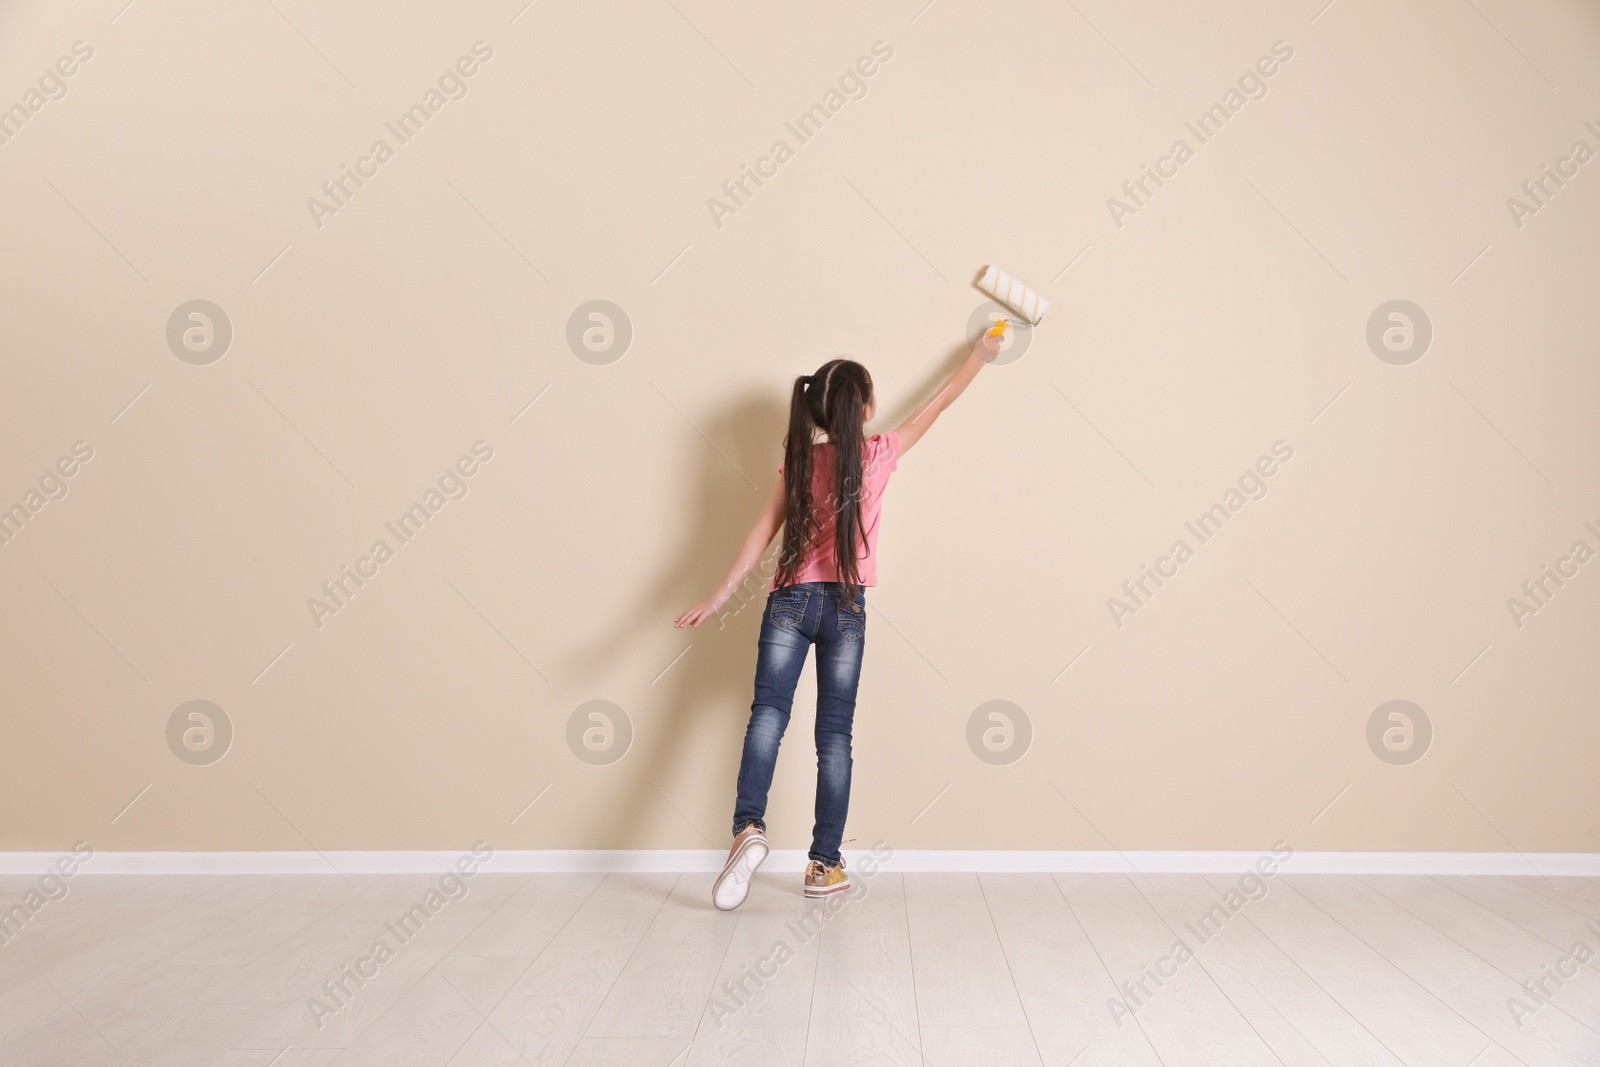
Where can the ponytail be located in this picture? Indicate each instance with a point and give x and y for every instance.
(797, 464)
(833, 400)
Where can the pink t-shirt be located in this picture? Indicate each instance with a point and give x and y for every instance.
(881, 455)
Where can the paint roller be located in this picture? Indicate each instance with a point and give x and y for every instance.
(1014, 295)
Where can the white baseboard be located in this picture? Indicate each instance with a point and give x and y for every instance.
(1570, 864)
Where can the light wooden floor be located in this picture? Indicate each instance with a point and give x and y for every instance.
(936, 969)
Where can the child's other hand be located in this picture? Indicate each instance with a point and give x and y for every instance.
(699, 613)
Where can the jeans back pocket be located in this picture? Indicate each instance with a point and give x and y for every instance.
(787, 607)
(852, 621)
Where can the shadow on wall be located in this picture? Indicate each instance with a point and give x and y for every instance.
(716, 679)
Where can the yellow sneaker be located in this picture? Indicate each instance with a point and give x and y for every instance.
(825, 881)
(733, 884)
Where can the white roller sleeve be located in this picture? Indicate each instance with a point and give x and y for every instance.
(1013, 294)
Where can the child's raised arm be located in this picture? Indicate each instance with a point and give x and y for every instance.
(983, 352)
(755, 543)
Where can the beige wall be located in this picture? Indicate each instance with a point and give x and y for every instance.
(375, 345)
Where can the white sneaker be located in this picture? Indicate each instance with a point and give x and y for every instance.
(733, 884)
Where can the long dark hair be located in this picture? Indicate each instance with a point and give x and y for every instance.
(833, 399)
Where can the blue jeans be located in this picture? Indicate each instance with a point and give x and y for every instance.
(795, 617)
